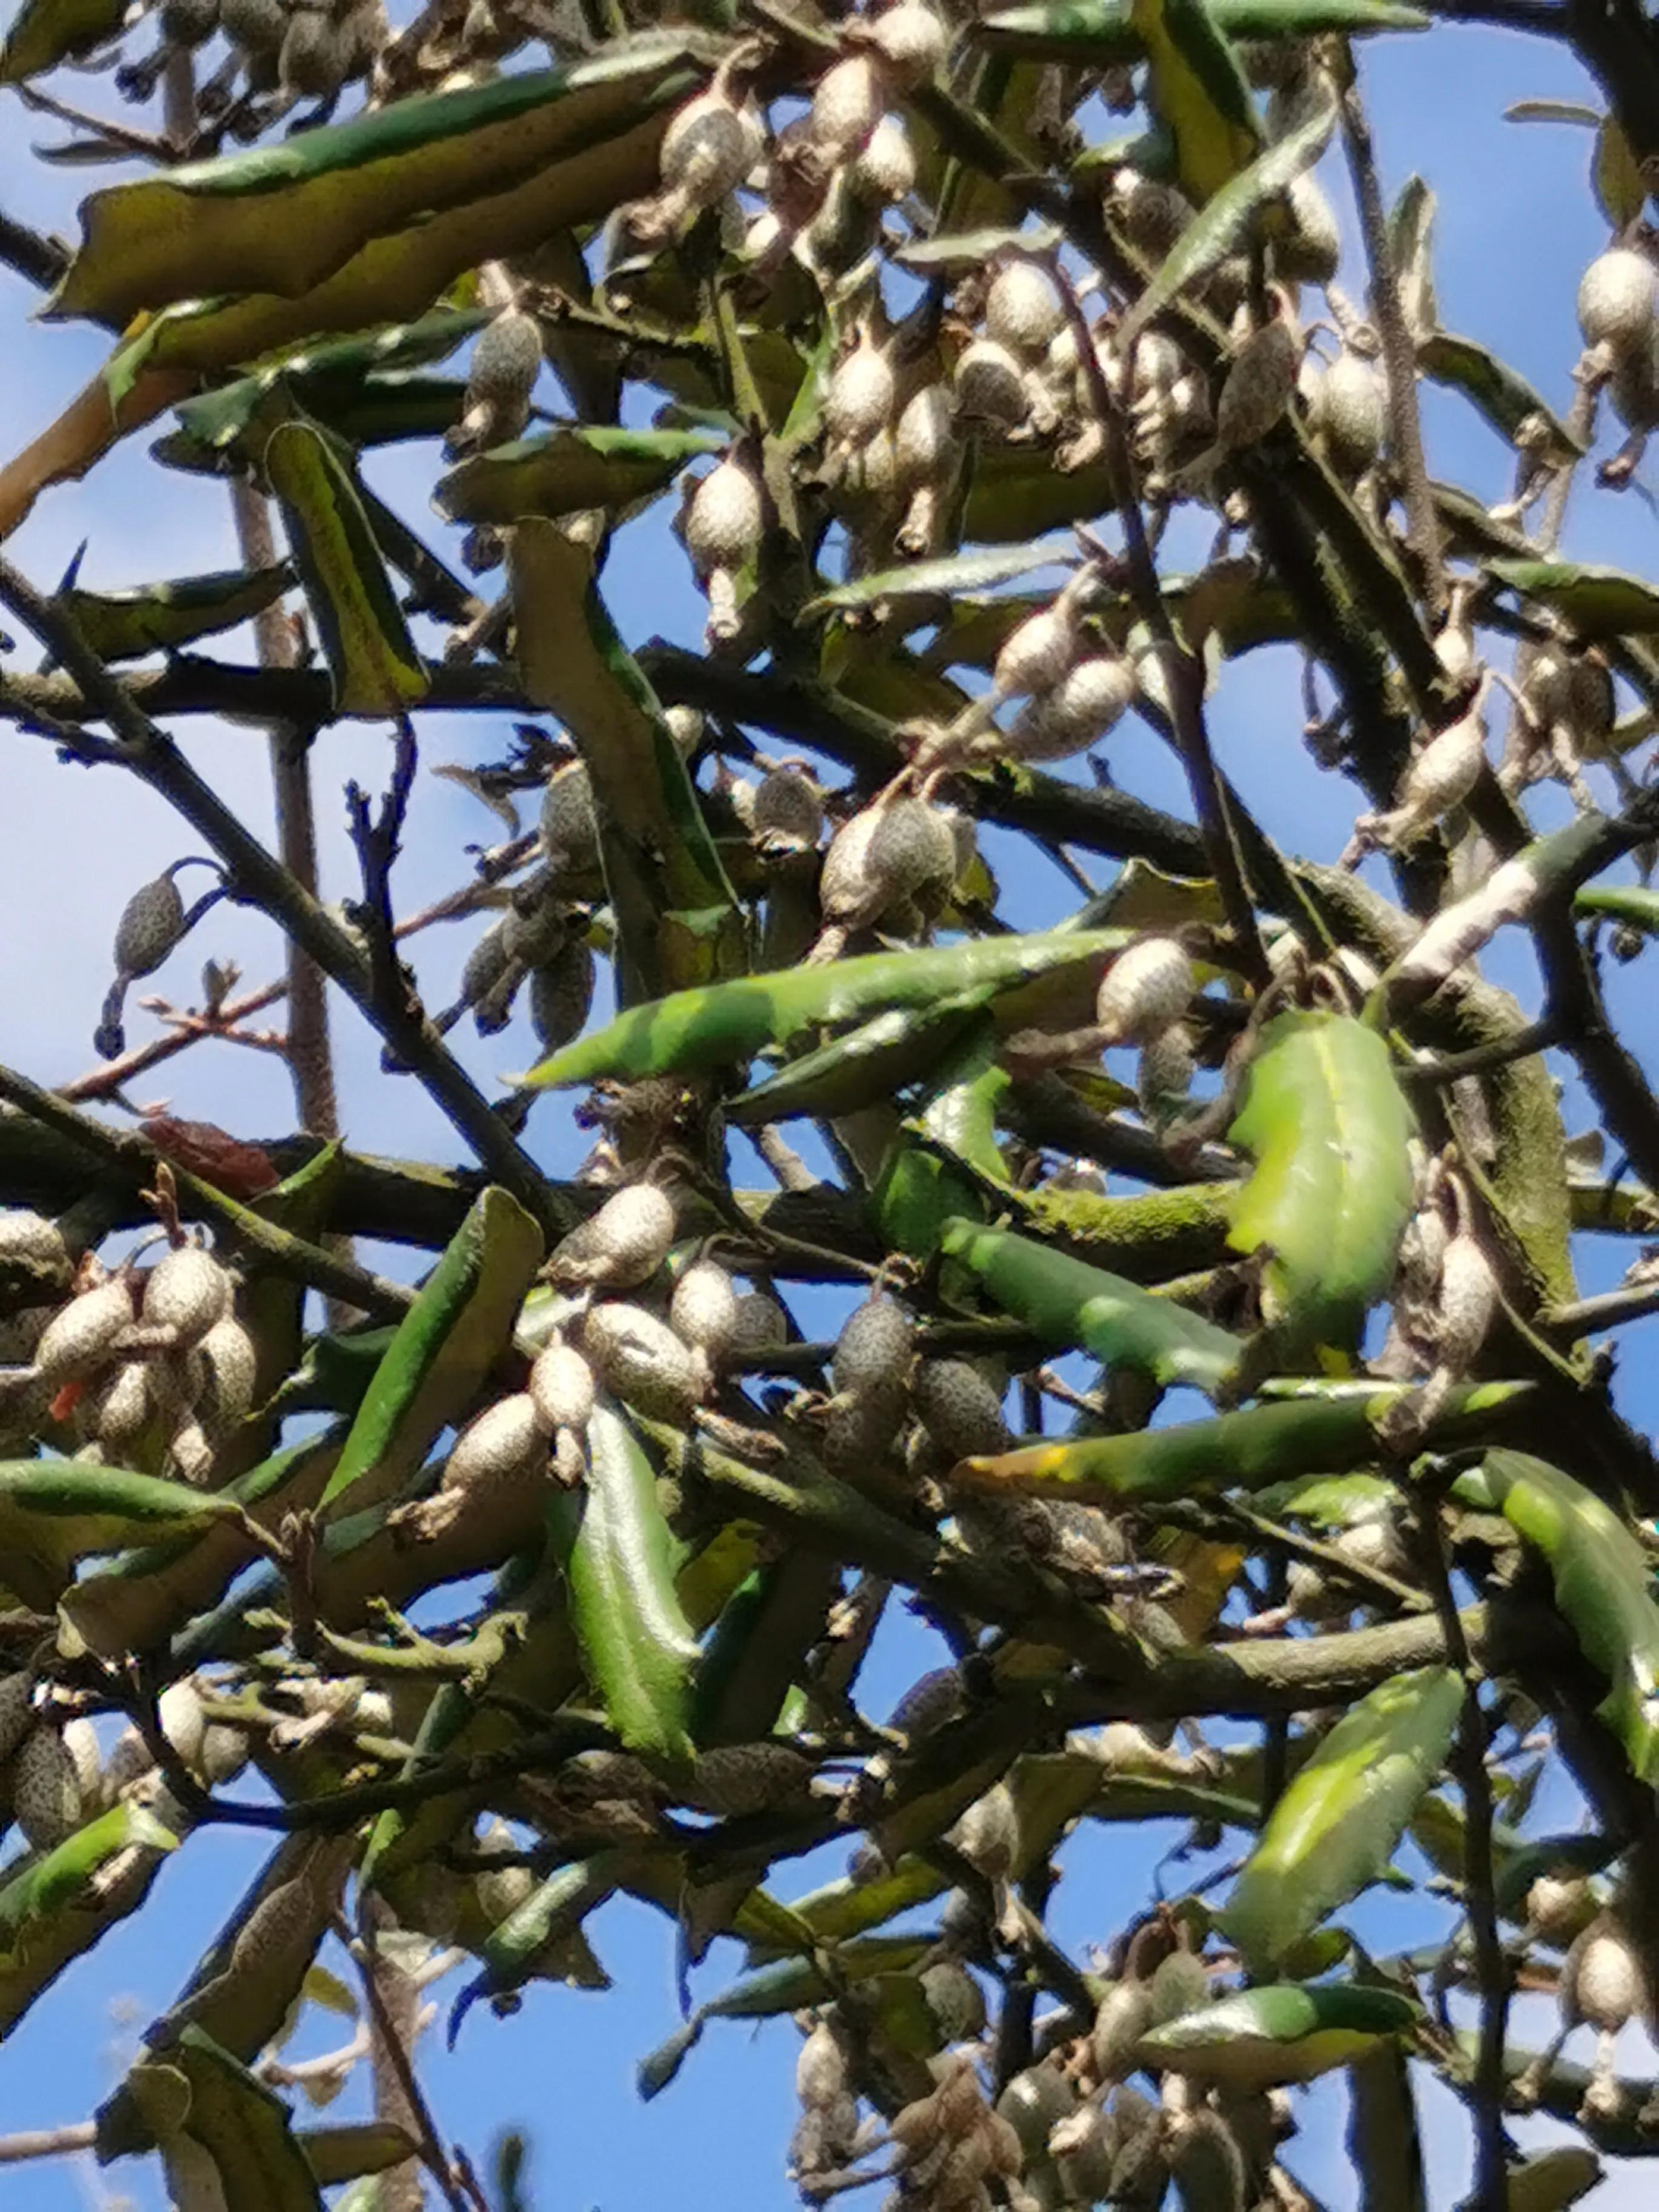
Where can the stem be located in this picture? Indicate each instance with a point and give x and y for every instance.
(393, 1999)
(48, 2143)
(1399, 351)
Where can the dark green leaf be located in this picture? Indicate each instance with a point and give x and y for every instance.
(567, 471)
(1334, 1829)
(1099, 34)
(158, 617)
(1598, 603)
(245, 2128)
(44, 32)
(353, 2149)
(59, 1880)
(1285, 2032)
(950, 574)
(1499, 392)
(1328, 1128)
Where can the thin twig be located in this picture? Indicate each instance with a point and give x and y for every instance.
(47, 2143)
(1398, 350)
(434, 2157)
(1607, 1310)
(377, 837)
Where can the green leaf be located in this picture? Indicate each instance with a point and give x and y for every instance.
(59, 1880)
(1099, 35)
(1627, 902)
(565, 470)
(160, 617)
(1601, 1576)
(444, 1347)
(1598, 603)
(1411, 243)
(1284, 2031)
(284, 218)
(1016, 492)
(620, 1562)
(676, 916)
(44, 32)
(551, 1914)
(1255, 1447)
(1497, 391)
(144, 1596)
(55, 1511)
(1075, 1307)
(757, 1647)
(1196, 90)
(950, 574)
(245, 2128)
(1230, 213)
(727, 1024)
(880, 1057)
(355, 2148)
(372, 657)
(1335, 1830)
(1328, 1128)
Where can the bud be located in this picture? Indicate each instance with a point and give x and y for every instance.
(1558, 1906)
(640, 1358)
(186, 1292)
(821, 2074)
(927, 455)
(1035, 2102)
(1165, 1075)
(1467, 1301)
(81, 1337)
(500, 376)
(226, 1364)
(1601, 1982)
(504, 1448)
(256, 26)
(120, 1410)
(1206, 2165)
(33, 1245)
(932, 1701)
(885, 172)
(1077, 713)
(987, 384)
(152, 922)
(1258, 386)
(1309, 250)
(862, 392)
(708, 148)
(874, 1349)
(847, 106)
(722, 530)
(1023, 310)
(955, 1999)
(961, 1411)
(1123, 2016)
(618, 1247)
(1039, 655)
(1147, 987)
(1349, 412)
(1618, 301)
(760, 1326)
(188, 23)
(703, 1310)
(561, 1387)
(562, 995)
(1151, 215)
(911, 42)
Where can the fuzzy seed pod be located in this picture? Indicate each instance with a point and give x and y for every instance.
(32, 1244)
(618, 1247)
(184, 1725)
(188, 23)
(152, 922)
(121, 1411)
(1618, 301)
(861, 1431)
(961, 1411)
(1179, 1985)
(760, 1325)
(911, 41)
(1601, 1982)
(847, 106)
(1033, 2102)
(1559, 1907)
(1038, 655)
(1081, 709)
(913, 852)
(226, 1364)
(569, 828)
(821, 2072)
(703, 1310)
(642, 1359)
(862, 391)
(505, 1890)
(1125, 2014)
(722, 529)
(1165, 1073)
(186, 1292)
(685, 726)
(364, 31)
(1206, 2165)
(1310, 250)
(927, 455)
(789, 807)
(489, 965)
(1023, 310)
(47, 1801)
(1467, 1301)
(885, 172)
(955, 1999)
(1258, 386)
(932, 1701)
(1440, 777)
(16, 1710)
(504, 1448)
(737, 1779)
(1151, 215)
(562, 995)
(848, 890)
(254, 27)
(988, 1834)
(505, 362)
(874, 1349)
(1147, 988)
(708, 148)
(81, 1337)
(561, 1387)
(989, 385)
(1082, 2148)
(315, 55)
(1349, 412)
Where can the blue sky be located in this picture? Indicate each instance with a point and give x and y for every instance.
(1515, 227)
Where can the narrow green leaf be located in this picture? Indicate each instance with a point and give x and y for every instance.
(245, 2128)
(355, 2148)
(1335, 1830)
(1196, 90)
(880, 1058)
(160, 617)
(1637, 908)
(444, 1347)
(1411, 243)
(727, 1025)
(1098, 33)
(951, 574)
(1075, 1307)
(1499, 392)
(620, 1560)
(281, 218)
(58, 1881)
(1599, 603)
(553, 1912)
(54, 1512)
(757, 1647)
(678, 918)
(567, 471)
(44, 32)
(1229, 215)
(1285, 2032)
(371, 655)
(1601, 1576)
(1328, 1128)
(1015, 493)
(1257, 1446)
